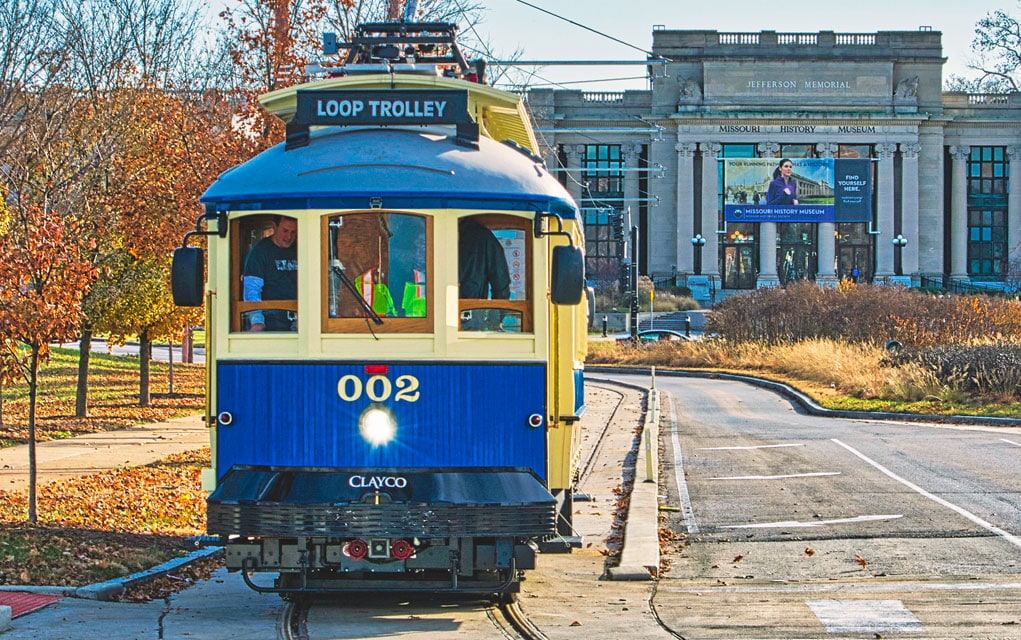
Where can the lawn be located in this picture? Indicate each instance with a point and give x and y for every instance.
(110, 524)
(113, 397)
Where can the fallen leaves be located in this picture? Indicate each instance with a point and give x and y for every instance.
(105, 525)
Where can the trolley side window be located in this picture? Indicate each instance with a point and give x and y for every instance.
(264, 268)
(376, 273)
(494, 278)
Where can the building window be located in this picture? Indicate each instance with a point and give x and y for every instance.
(739, 253)
(602, 200)
(601, 174)
(988, 169)
(603, 250)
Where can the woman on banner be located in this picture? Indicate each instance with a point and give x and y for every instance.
(784, 188)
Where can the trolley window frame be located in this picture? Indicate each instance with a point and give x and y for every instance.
(364, 325)
(238, 255)
(497, 222)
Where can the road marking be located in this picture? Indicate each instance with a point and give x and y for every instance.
(749, 448)
(1016, 444)
(851, 588)
(682, 486)
(817, 474)
(865, 616)
(794, 524)
(988, 526)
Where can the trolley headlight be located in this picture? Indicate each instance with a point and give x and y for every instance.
(377, 424)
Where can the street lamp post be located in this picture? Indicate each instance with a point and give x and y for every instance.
(898, 245)
(698, 242)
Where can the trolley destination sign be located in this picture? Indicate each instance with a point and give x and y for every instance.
(381, 108)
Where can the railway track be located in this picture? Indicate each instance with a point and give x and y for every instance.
(504, 616)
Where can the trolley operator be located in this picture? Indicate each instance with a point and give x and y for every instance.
(271, 273)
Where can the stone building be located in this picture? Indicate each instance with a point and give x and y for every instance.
(941, 162)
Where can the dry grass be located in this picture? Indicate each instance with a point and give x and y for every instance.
(833, 372)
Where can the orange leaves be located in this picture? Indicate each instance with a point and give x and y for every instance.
(43, 276)
(104, 525)
(163, 498)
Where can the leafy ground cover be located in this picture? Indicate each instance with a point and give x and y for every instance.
(115, 523)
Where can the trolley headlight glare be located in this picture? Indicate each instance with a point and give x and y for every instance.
(377, 424)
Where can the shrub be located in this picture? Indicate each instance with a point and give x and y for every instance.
(864, 313)
(988, 370)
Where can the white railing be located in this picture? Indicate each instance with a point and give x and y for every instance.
(975, 99)
(797, 38)
(856, 39)
(602, 96)
(739, 38)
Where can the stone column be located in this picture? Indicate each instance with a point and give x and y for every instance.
(685, 205)
(909, 209)
(959, 213)
(1014, 205)
(884, 237)
(767, 234)
(631, 153)
(710, 208)
(827, 236)
(575, 153)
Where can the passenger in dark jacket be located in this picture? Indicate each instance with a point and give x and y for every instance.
(482, 273)
(482, 264)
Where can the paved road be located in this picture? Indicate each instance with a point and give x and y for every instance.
(803, 527)
(160, 351)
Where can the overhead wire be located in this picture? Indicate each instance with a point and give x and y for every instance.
(587, 28)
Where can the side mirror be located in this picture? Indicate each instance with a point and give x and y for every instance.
(567, 279)
(186, 280)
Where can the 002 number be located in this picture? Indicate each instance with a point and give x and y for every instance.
(378, 388)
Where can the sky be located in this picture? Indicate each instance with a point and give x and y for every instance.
(509, 25)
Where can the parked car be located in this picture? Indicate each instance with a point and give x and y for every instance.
(654, 335)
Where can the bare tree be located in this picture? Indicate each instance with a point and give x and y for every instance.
(997, 60)
(344, 16)
(29, 60)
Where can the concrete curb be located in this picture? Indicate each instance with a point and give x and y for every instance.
(112, 588)
(106, 591)
(639, 557)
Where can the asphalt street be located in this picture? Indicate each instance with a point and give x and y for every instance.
(160, 351)
(800, 526)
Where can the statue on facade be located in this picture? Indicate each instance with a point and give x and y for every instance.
(907, 87)
(690, 90)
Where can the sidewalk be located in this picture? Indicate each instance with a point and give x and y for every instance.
(130, 447)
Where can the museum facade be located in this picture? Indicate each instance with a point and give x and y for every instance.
(939, 164)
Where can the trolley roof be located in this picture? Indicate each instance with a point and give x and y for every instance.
(399, 166)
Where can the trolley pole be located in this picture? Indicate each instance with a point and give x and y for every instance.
(634, 283)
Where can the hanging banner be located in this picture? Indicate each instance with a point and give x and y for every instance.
(797, 190)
